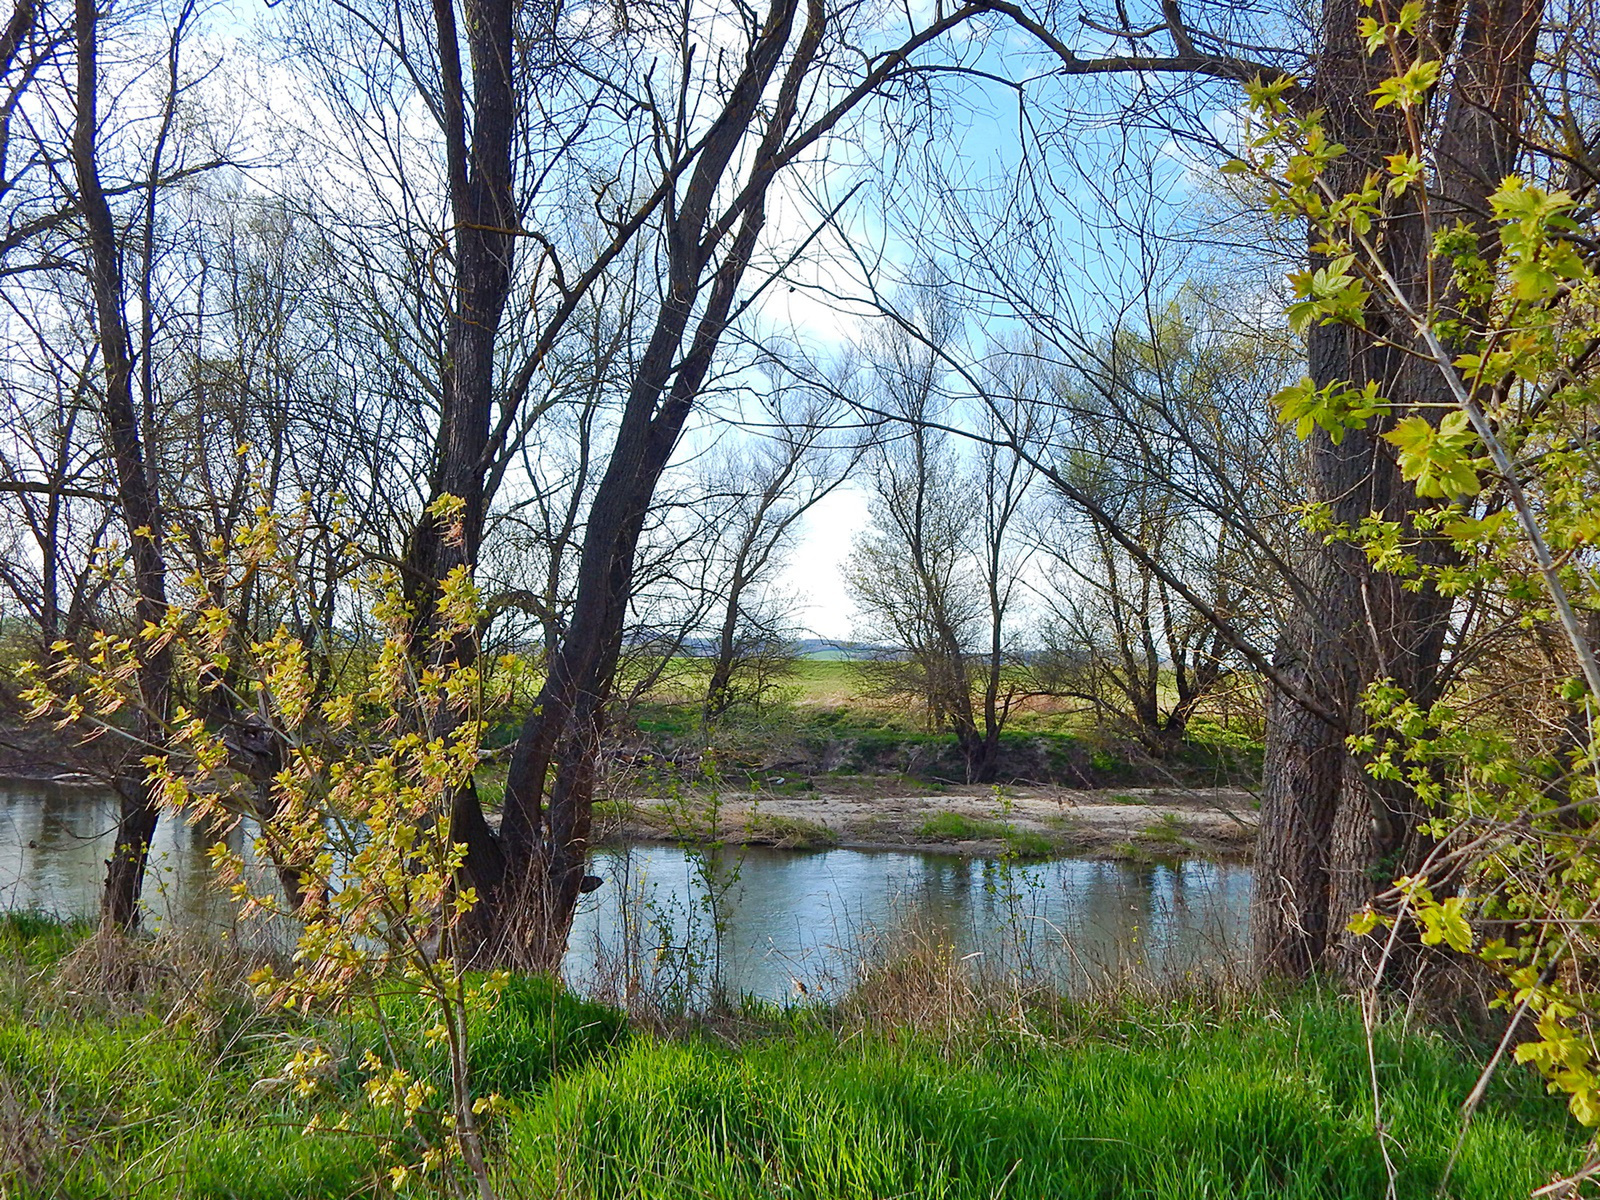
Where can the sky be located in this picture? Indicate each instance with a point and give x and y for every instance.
(815, 573)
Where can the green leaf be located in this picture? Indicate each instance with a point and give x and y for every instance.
(1408, 89)
(1437, 459)
(1363, 923)
(1336, 408)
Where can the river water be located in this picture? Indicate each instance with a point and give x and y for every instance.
(774, 923)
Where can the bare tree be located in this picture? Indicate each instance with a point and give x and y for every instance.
(764, 118)
(1325, 822)
(773, 481)
(1143, 653)
(138, 502)
(939, 573)
(565, 141)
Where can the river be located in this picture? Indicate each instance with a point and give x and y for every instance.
(773, 923)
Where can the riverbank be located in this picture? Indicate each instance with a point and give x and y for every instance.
(914, 1084)
(805, 811)
(873, 813)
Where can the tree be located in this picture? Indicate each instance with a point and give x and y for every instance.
(1162, 429)
(938, 573)
(1325, 823)
(124, 430)
(1502, 764)
(59, 506)
(719, 154)
(772, 482)
(1120, 639)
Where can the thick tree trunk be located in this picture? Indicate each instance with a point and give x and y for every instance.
(980, 751)
(478, 153)
(1330, 836)
(544, 835)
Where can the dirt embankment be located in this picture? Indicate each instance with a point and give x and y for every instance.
(39, 751)
(1138, 823)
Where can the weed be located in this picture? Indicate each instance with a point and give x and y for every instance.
(928, 1079)
(790, 833)
(956, 827)
(609, 816)
(1026, 843)
(1168, 833)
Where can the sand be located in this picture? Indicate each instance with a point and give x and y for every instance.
(1113, 823)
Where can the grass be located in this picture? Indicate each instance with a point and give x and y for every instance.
(1167, 832)
(174, 1092)
(1265, 1102)
(1028, 843)
(790, 833)
(957, 827)
(160, 1094)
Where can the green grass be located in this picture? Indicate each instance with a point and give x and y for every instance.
(826, 710)
(35, 939)
(956, 827)
(533, 1033)
(1260, 1103)
(1188, 1100)
(126, 1105)
(161, 1095)
(1028, 843)
(1167, 831)
(790, 833)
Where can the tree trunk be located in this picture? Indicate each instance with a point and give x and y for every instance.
(119, 904)
(719, 693)
(484, 238)
(1330, 836)
(544, 834)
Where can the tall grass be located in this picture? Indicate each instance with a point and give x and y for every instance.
(920, 1083)
(1261, 1101)
(173, 1088)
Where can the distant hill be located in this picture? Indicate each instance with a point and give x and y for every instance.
(831, 651)
(821, 649)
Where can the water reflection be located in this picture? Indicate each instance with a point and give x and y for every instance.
(54, 841)
(794, 921)
(763, 921)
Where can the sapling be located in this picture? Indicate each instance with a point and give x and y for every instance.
(355, 814)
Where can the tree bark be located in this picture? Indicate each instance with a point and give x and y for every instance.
(483, 237)
(136, 496)
(1331, 837)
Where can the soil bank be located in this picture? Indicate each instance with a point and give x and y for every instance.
(876, 814)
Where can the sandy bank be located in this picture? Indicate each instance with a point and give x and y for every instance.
(1112, 823)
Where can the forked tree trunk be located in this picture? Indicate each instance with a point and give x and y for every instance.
(544, 835)
(478, 153)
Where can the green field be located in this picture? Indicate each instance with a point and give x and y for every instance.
(826, 718)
